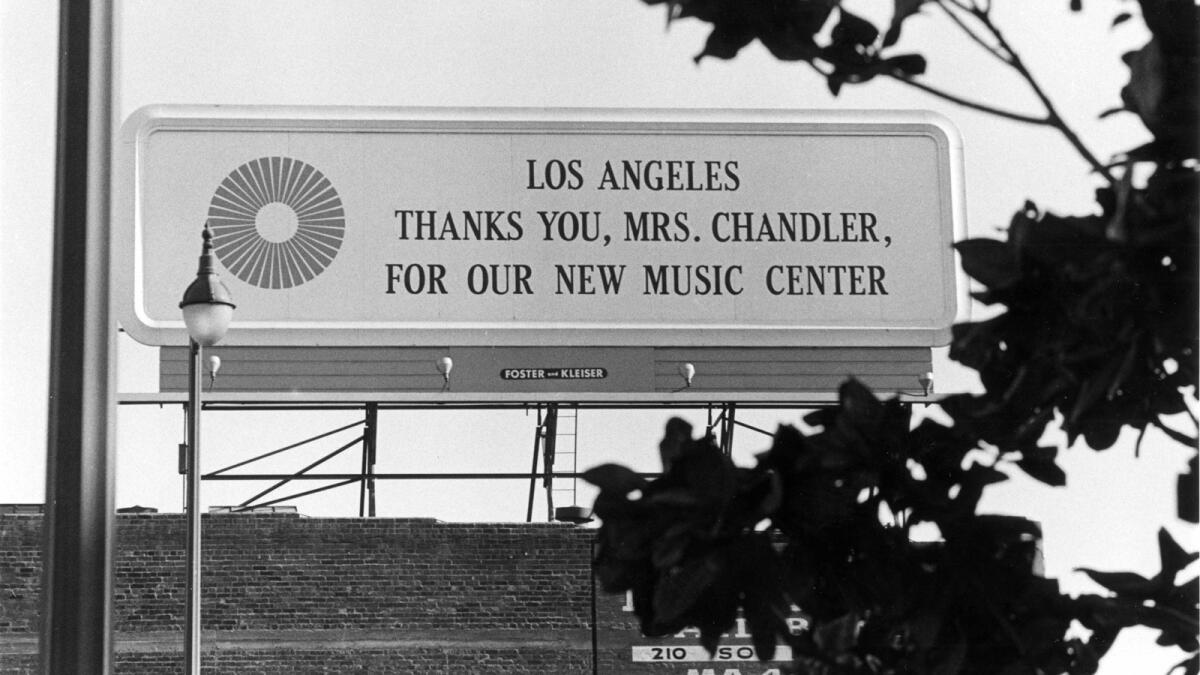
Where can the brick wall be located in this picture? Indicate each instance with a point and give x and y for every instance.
(287, 594)
(285, 572)
(20, 573)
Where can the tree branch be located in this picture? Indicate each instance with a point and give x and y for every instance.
(991, 49)
(1177, 436)
(813, 64)
(961, 5)
(1054, 118)
(1195, 422)
(974, 105)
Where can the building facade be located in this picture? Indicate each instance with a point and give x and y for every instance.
(287, 594)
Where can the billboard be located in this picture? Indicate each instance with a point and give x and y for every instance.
(515, 227)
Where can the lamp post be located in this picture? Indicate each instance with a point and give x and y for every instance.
(207, 309)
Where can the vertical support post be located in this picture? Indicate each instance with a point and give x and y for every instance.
(76, 634)
(728, 424)
(537, 443)
(192, 507)
(714, 423)
(549, 446)
(595, 637)
(362, 482)
(370, 434)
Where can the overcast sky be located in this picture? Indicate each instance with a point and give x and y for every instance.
(597, 53)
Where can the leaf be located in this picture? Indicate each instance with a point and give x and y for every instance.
(726, 40)
(1173, 22)
(716, 614)
(1084, 656)
(763, 599)
(707, 472)
(1187, 593)
(906, 64)
(1102, 639)
(1045, 471)
(1101, 434)
(614, 478)
(680, 588)
(672, 497)
(669, 549)
(854, 30)
(1172, 555)
(858, 405)
(772, 500)
(1128, 584)
(835, 82)
(615, 505)
(1187, 491)
(980, 475)
(1145, 152)
(903, 9)
(790, 33)
(990, 262)
(1145, 90)
(1041, 453)
(676, 437)
(1032, 427)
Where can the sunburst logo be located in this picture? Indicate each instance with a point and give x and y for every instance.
(277, 222)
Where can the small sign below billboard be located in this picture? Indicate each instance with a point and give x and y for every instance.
(553, 373)
(361, 227)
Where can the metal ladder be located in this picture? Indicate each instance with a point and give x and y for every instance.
(556, 439)
(564, 460)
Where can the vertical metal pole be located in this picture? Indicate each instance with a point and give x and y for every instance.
(712, 423)
(549, 447)
(595, 637)
(192, 609)
(370, 434)
(728, 423)
(537, 441)
(76, 634)
(362, 483)
(731, 421)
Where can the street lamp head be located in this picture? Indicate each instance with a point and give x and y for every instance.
(207, 305)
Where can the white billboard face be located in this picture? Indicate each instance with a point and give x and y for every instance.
(518, 227)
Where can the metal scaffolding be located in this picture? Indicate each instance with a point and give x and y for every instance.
(555, 445)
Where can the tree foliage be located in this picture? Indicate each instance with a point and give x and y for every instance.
(1098, 331)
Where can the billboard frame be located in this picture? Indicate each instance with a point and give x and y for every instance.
(128, 263)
